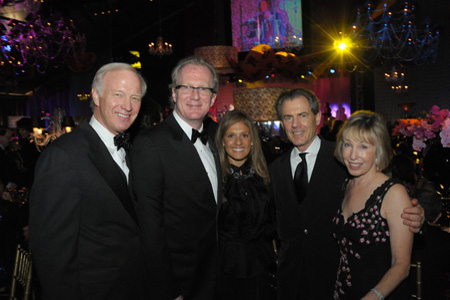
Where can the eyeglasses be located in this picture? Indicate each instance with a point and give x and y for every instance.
(187, 89)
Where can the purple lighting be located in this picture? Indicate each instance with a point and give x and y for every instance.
(38, 42)
(340, 111)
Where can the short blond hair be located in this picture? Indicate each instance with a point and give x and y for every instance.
(370, 127)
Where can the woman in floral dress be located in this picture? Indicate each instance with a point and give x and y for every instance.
(375, 246)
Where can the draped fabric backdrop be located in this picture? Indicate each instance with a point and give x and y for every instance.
(64, 97)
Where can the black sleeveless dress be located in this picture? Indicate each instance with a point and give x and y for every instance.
(365, 253)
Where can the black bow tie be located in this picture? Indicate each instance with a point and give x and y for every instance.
(203, 136)
(122, 140)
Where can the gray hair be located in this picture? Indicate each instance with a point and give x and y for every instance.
(97, 83)
(295, 93)
(197, 61)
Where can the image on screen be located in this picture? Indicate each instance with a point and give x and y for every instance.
(257, 22)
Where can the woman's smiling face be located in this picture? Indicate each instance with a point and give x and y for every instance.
(237, 142)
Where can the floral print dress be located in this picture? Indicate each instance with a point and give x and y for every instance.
(364, 246)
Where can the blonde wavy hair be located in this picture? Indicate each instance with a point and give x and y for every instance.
(370, 127)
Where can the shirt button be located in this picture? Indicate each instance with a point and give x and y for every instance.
(305, 231)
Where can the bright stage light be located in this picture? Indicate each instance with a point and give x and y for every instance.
(342, 45)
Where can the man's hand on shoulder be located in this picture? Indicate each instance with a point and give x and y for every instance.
(414, 216)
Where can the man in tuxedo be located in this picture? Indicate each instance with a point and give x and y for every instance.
(177, 181)
(308, 255)
(84, 233)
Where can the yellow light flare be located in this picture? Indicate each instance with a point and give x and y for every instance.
(343, 44)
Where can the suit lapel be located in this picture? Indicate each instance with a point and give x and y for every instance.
(321, 173)
(130, 183)
(186, 149)
(109, 170)
(213, 148)
(287, 173)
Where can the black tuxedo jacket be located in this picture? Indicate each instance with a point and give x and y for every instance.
(308, 256)
(84, 235)
(177, 212)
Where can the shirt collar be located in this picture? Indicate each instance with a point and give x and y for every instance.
(185, 126)
(313, 149)
(105, 135)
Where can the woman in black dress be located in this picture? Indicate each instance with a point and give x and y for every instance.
(374, 244)
(246, 218)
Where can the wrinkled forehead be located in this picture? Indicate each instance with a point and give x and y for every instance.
(195, 71)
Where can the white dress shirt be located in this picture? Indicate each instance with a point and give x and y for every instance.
(204, 152)
(107, 137)
(310, 157)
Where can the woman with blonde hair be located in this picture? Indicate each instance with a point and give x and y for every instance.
(375, 246)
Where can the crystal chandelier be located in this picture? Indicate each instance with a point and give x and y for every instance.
(160, 48)
(392, 37)
(396, 79)
(400, 89)
(52, 129)
(39, 41)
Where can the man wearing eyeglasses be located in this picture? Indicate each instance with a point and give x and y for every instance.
(176, 178)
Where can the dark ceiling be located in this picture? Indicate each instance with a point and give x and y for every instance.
(187, 24)
(113, 28)
(113, 25)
